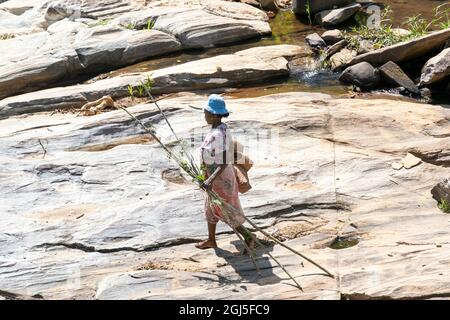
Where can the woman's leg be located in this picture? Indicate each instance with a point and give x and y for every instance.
(211, 241)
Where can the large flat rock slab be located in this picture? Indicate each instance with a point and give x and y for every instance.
(104, 35)
(200, 26)
(96, 217)
(241, 68)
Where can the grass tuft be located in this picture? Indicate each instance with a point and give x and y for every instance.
(444, 205)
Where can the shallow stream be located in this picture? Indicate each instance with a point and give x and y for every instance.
(289, 29)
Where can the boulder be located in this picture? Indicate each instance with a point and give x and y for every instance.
(365, 46)
(300, 6)
(335, 48)
(332, 36)
(269, 5)
(441, 191)
(393, 75)
(118, 47)
(254, 3)
(363, 75)
(315, 41)
(399, 32)
(425, 92)
(405, 51)
(436, 69)
(410, 161)
(342, 58)
(331, 18)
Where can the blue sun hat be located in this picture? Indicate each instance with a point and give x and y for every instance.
(216, 105)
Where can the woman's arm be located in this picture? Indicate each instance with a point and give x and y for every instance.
(208, 182)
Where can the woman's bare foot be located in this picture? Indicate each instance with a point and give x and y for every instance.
(207, 244)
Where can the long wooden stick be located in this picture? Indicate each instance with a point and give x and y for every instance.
(289, 248)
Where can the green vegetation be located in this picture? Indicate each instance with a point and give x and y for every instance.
(101, 22)
(6, 36)
(308, 11)
(130, 91)
(444, 205)
(284, 25)
(443, 14)
(150, 24)
(134, 26)
(343, 243)
(143, 88)
(385, 34)
(324, 62)
(420, 26)
(380, 37)
(130, 26)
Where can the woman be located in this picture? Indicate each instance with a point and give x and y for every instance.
(217, 160)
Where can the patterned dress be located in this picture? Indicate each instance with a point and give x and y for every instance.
(216, 142)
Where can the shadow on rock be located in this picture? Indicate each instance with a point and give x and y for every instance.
(244, 267)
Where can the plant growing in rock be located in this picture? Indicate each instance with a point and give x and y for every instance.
(101, 22)
(308, 11)
(418, 26)
(442, 14)
(150, 24)
(141, 90)
(185, 160)
(444, 205)
(380, 37)
(130, 26)
(7, 36)
(131, 91)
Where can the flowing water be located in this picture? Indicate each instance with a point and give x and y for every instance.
(289, 29)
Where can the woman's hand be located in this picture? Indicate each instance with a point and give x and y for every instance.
(207, 184)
